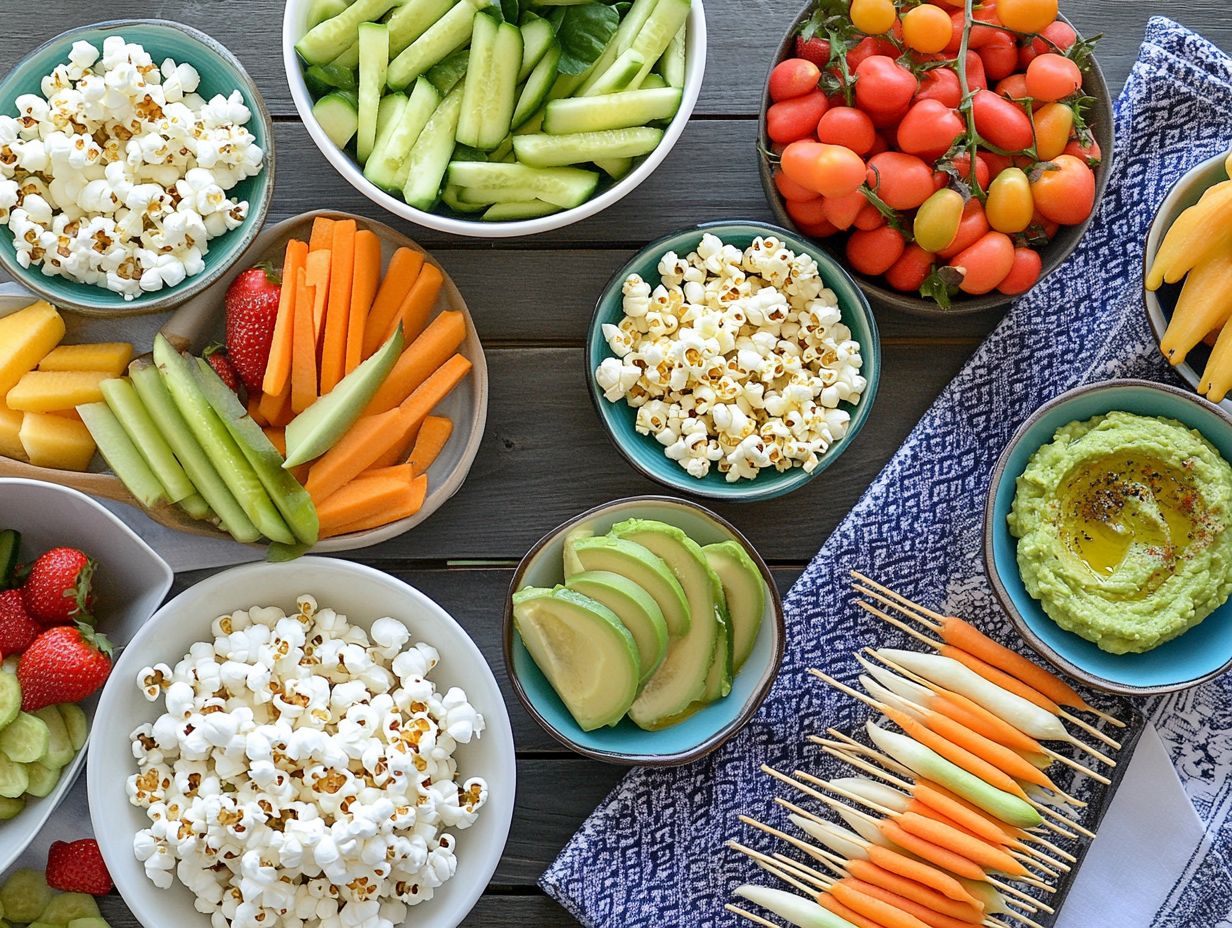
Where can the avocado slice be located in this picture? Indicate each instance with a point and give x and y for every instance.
(646, 569)
(685, 675)
(745, 591)
(635, 608)
(588, 656)
(574, 535)
(719, 678)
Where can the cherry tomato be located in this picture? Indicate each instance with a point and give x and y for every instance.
(879, 145)
(1009, 206)
(815, 50)
(883, 85)
(976, 77)
(1053, 124)
(1060, 36)
(985, 263)
(1023, 273)
(1000, 56)
(806, 212)
(1014, 87)
(1052, 77)
(912, 268)
(1001, 122)
(846, 125)
(996, 163)
(1027, 15)
(793, 78)
(940, 84)
(830, 170)
(796, 118)
(790, 189)
(873, 17)
(874, 252)
(936, 221)
(1065, 191)
(868, 47)
(972, 227)
(888, 121)
(870, 218)
(842, 211)
(903, 181)
(821, 229)
(962, 161)
(927, 29)
(929, 129)
(1090, 155)
(1045, 227)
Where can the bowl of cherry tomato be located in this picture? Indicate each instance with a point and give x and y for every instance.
(872, 118)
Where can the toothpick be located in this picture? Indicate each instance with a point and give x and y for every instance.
(755, 919)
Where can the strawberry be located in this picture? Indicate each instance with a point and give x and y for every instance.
(252, 309)
(216, 357)
(17, 629)
(63, 664)
(57, 591)
(78, 868)
(815, 50)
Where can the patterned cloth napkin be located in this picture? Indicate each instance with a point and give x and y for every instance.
(652, 854)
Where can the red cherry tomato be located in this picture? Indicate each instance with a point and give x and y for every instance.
(976, 77)
(795, 118)
(879, 145)
(805, 212)
(929, 129)
(829, 170)
(1000, 56)
(821, 229)
(883, 85)
(842, 211)
(848, 126)
(1065, 192)
(1024, 273)
(790, 189)
(888, 121)
(874, 252)
(940, 84)
(996, 163)
(983, 175)
(1001, 122)
(815, 50)
(1052, 77)
(870, 218)
(903, 181)
(1059, 36)
(867, 48)
(1045, 227)
(911, 269)
(793, 78)
(971, 228)
(985, 264)
(1090, 155)
(1014, 87)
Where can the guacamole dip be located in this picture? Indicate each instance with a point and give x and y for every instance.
(1124, 527)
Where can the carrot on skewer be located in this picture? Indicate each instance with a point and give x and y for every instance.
(882, 912)
(365, 280)
(933, 853)
(403, 268)
(911, 906)
(868, 872)
(919, 872)
(278, 368)
(928, 795)
(834, 907)
(434, 346)
(337, 311)
(418, 302)
(998, 755)
(960, 842)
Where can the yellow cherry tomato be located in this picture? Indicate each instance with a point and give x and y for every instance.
(937, 220)
(927, 29)
(873, 17)
(1027, 15)
(1010, 205)
(1054, 122)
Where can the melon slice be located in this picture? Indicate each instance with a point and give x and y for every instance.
(48, 391)
(53, 441)
(112, 357)
(25, 337)
(10, 426)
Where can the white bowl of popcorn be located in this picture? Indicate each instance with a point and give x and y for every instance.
(732, 360)
(136, 166)
(326, 733)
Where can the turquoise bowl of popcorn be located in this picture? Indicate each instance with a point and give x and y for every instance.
(644, 451)
(220, 73)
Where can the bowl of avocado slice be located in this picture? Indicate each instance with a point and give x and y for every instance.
(644, 631)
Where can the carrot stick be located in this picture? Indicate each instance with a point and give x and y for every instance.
(958, 841)
(868, 872)
(318, 266)
(920, 872)
(304, 359)
(834, 907)
(433, 435)
(254, 409)
(278, 368)
(276, 407)
(998, 755)
(408, 504)
(322, 233)
(399, 276)
(1000, 677)
(362, 498)
(278, 438)
(398, 452)
(925, 798)
(908, 905)
(889, 915)
(418, 303)
(976, 766)
(419, 359)
(337, 319)
(933, 853)
(967, 712)
(364, 281)
(401, 472)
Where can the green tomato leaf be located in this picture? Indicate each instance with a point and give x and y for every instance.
(583, 32)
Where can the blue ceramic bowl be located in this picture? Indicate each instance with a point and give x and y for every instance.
(221, 72)
(625, 743)
(1196, 656)
(643, 451)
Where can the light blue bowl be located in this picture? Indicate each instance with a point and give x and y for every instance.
(220, 72)
(643, 451)
(625, 743)
(1196, 656)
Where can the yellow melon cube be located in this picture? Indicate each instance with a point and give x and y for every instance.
(25, 337)
(112, 357)
(53, 441)
(48, 391)
(10, 426)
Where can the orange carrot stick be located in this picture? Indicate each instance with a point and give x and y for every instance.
(254, 409)
(277, 437)
(419, 359)
(304, 359)
(970, 713)
(409, 503)
(278, 368)
(364, 282)
(399, 276)
(1001, 678)
(868, 872)
(935, 854)
(920, 872)
(433, 435)
(960, 842)
(399, 452)
(401, 472)
(998, 755)
(976, 766)
(834, 907)
(318, 267)
(418, 303)
(276, 407)
(322, 233)
(889, 915)
(908, 905)
(362, 498)
(337, 312)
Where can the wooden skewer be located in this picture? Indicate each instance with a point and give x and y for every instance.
(1044, 842)
(803, 813)
(755, 919)
(1074, 765)
(1028, 861)
(805, 872)
(769, 864)
(809, 849)
(1090, 729)
(993, 922)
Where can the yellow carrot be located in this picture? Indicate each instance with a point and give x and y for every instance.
(1205, 303)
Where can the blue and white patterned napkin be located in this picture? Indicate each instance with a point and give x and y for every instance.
(652, 854)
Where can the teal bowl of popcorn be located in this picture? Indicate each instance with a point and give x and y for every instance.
(136, 166)
(732, 360)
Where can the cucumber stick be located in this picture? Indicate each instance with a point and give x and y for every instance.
(122, 455)
(326, 41)
(135, 418)
(452, 197)
(373, 64)
(338, 114)
(615, 168)
(447, 72)
(622, 110)
(512, 212)
(617, 77)
(490, 88)
(429, 157)
(321, 10)
(653, 39)
(564, 187)
(671, 65)
(388, 116)
(537, 37)
(385, 167)
(626, 32)
(545, 151)
(412, 19)
(537, 87)
(447, 34)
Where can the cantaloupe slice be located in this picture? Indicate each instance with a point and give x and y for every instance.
(10, 426)
(112, 357)
(25, 337)
(53, 441)
(47, 391)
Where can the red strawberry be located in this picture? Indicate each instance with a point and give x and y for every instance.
(252, 309)
(17, 629)
(78, 868)
(63, 664)
(815, 50)
(57, 591)
(216, 357)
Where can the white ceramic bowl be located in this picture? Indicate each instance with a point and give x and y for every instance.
(294, 23)
(130, 583)
(363, 594)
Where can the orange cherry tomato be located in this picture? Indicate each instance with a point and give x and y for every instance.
(903, 181)
(874, 252)
(1052, 77)
(1045, 227)
(830, 170)
(790, 189)
(1024, 274)
(1009, 206)
(1027, 15)
(927, 28)
(1064, 191)
(873, 17)
(911, 269)
(972, 227)
(1054, 122)
(985, 264)
(937, 220)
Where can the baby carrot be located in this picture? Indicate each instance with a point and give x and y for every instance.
(998, 755)
(935, 854)
(869, 872)
(914, 805)
(958, 841)
(970, 713)
(834, 907)
(910, 906)
(919, 872)
(889, 915)
(1000, 678)
(955, 754)
(931, 796)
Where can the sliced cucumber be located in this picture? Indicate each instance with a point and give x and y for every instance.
(538, 86)
(326, 41)
(512, 212)
(11, 808)
(446, 73)
(490, 88)
(135, 418)
(621, 110)
(537, 37)
(60, 748)
(321, 10)
(13, 779)
(671, 64)
(196, 506)
(65, 907)
(122, 455)
(412, 19)
(41, 780)
(545, 151)
(653, 81)
(615, 168)
(338, 114)
(499, 153)
(373, 64)
(665, 21)
(10, 551)
(451, 197)
(324, 79)
(564, 187)
(629, 28)
(388, 116)
(447, 34)
(25, 739)
(76, 723)
(422, 103)
(429, 157)
(10, 697)
(619, 76)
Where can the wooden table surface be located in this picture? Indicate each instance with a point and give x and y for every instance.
(544, 457)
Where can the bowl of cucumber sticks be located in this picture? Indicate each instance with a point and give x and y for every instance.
(494, 119)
